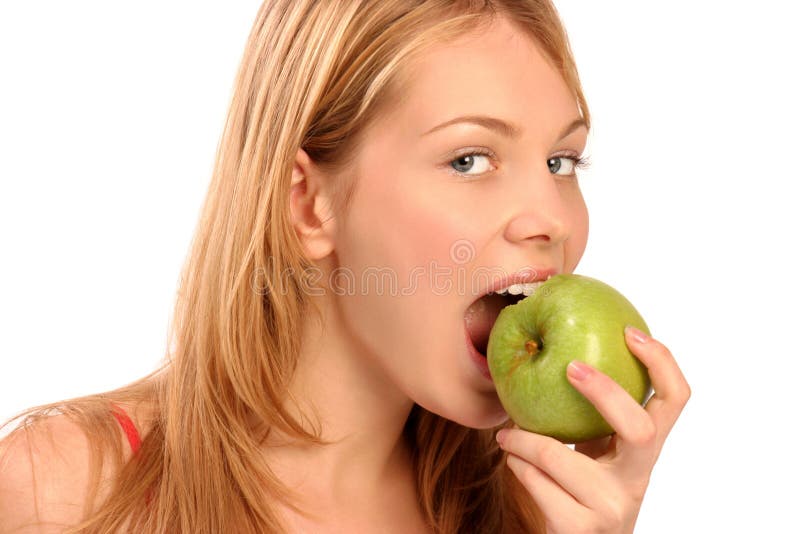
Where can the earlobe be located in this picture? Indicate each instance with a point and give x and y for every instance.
(309, 207)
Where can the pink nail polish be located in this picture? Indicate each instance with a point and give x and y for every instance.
(578, 370)
(637, 334)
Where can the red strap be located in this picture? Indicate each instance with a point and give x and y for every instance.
(133, 437)
(128, 426)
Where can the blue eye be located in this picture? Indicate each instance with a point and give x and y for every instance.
(555, 165)
(467, 162)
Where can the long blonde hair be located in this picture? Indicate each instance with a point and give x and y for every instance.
(314, 75)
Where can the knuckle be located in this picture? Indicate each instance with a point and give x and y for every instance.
(645, 434)
(680, 394)
(662, 349)
(686, 392)
(663, 352)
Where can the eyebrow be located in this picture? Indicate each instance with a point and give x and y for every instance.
(502, 127)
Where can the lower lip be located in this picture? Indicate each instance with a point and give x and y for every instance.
(477, 358)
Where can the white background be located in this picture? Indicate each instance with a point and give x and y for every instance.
(109, 118)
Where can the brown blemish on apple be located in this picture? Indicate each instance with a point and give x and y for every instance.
(532, 347)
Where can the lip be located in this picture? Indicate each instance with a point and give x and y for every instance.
(477, 358)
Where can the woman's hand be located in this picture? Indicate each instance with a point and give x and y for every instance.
(600, 485)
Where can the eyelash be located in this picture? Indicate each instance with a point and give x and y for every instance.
(578, 162)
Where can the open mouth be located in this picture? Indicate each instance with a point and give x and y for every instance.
(482, 314)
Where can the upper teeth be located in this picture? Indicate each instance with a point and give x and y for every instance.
(516, 289)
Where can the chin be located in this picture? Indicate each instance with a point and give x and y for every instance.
(484, 413)
(485, 420)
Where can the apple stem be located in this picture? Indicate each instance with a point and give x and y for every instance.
(532, 347)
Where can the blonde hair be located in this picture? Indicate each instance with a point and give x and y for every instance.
(314, 75)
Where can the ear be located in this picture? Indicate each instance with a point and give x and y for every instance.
(309, 203)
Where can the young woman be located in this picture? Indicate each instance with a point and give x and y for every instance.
(320, 376)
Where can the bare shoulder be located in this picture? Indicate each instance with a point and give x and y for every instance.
(44, 477)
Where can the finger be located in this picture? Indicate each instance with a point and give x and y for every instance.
(636, 430)
(671, 390)
(553, 501)
(576, 473)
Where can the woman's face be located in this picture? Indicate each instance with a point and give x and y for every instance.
(419, 239)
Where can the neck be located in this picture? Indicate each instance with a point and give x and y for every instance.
(357, 408)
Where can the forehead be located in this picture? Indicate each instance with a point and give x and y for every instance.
(496, 70)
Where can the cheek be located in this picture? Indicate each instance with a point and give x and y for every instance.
(395, 248)
(405, 231)
(579, 235)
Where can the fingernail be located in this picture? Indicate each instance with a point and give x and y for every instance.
(578, 370)
(501, 436)
(637, 334)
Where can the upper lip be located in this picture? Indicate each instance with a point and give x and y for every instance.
(523, 276)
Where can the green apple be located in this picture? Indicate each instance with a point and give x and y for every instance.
(568, 317)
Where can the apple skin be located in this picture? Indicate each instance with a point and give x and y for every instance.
(570, 317)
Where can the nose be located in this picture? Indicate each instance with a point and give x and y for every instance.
(542, 215)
